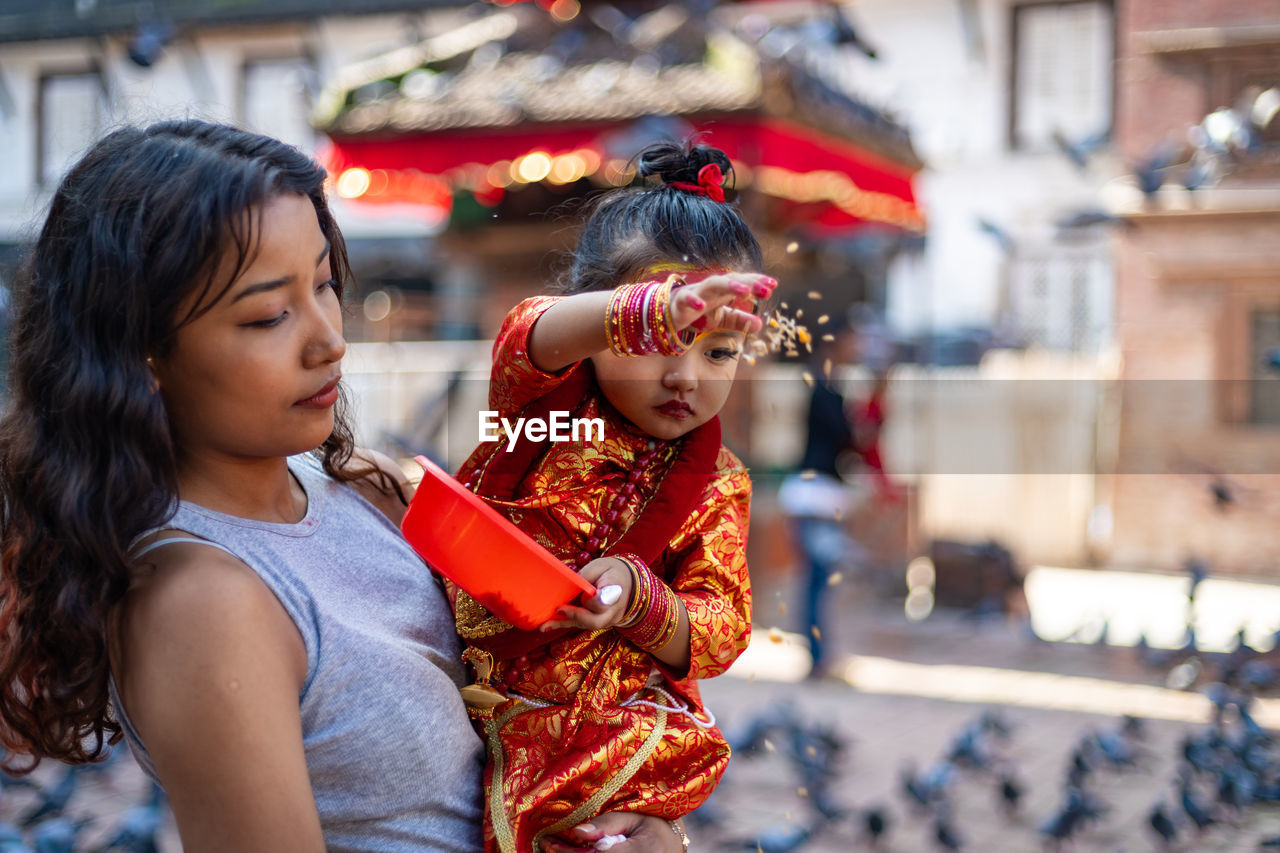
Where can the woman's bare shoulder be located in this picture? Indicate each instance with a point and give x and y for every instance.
(191, 592)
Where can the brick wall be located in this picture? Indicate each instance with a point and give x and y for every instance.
(1187, 279)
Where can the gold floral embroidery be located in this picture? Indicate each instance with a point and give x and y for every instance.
(473, 620)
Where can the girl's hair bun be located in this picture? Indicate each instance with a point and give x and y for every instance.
(679, 161)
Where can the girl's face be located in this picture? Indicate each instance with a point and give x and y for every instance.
(669, 396)
(256, 375)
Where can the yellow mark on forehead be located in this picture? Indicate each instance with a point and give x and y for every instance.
(681, 267)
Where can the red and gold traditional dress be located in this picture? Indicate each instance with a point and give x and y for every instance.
(601, 725)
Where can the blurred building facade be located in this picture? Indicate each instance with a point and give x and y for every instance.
(70, 70)
(502, 127)
(1011, 105)
(1198, 308)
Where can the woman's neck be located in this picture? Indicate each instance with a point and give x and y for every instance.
(258, 489)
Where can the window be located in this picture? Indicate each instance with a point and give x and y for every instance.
(73, 113)
(274, 99)
(1062, 58)
(1060, 296)
(1264, 389)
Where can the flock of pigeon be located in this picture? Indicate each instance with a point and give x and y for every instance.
(50, 818)
(1220, 771)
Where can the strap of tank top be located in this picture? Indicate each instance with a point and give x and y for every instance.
(146, 549)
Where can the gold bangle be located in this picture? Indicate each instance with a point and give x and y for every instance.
(680, 833)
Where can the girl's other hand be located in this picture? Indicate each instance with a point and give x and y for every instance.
(721, 301)
(613, 583)
(644, 834)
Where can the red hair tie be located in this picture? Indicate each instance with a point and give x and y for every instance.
(709, 183)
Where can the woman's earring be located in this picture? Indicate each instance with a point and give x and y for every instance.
(155, 380)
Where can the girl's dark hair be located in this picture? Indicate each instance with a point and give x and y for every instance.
(126, 257)
(629, 230)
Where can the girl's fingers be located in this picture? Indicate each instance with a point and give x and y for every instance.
(691, 304)
(579, 617)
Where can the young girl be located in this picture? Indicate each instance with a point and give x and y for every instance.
(193, 554)
(600, 710)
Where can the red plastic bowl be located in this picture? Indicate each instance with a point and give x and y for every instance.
(467, 541)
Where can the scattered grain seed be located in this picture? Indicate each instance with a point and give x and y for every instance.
(815, 295)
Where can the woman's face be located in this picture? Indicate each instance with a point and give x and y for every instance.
(256, 375)
(669, 396)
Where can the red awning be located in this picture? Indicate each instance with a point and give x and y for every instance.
(828, 182)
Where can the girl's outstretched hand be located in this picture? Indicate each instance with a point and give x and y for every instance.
(613, 583)
(721, 301)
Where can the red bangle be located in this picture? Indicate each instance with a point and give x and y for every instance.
(638, 319)
(653, 614)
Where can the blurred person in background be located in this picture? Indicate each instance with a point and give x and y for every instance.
(818, 498)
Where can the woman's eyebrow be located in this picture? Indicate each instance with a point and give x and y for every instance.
(265, 286)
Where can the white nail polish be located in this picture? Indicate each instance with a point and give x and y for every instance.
(610, 594)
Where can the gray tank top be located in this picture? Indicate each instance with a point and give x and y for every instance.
(393, 760)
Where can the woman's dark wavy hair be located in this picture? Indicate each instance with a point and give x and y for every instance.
(629, 230)
(126, 257)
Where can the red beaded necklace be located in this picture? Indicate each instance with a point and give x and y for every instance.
(604, 528)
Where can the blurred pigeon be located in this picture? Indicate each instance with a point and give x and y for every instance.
(11, 839)
(1236, 786)
(1078, 151)
(782, 838)
(1256, 675)
(875, 823)
(1010, 793)
(994, 723)
(1086, 218)
(1060, 826)
(53, 800)
(1222, 495)
(915, 788)
(57, 835)
(1002, 237)
(846, 34)
(1197, 570)
(1162, 825)
(1199, 754)
(969, 749)
(11, 780)
(1195, 809)
(945, 835)
(1116, 749)
(1150, 171)
(136, 832)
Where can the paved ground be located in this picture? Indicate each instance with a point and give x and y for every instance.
(910, 688)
